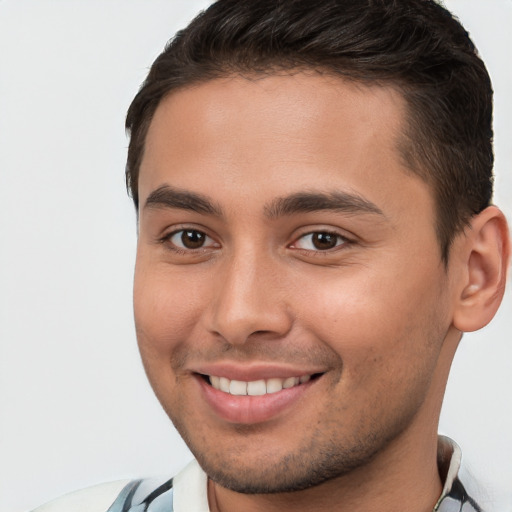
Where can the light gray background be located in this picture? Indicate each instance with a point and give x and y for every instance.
(75, 408)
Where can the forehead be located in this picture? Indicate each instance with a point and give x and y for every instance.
(298, 131)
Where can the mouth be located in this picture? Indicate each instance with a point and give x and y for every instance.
(257, 387)
(257, 393)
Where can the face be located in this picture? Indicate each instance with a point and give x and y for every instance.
(290, 301)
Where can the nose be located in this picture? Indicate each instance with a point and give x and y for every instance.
(249, 300)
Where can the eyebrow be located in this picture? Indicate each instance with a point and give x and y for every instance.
(169, 197)
(300, 202)
(305, 202)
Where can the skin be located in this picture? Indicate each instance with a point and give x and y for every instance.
(374, 315)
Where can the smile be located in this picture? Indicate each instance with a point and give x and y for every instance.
(256, 387)
(257, 399)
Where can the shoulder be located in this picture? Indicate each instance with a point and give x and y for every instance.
(92, 499)
(186, 491)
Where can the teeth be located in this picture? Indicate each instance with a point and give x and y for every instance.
(256, 387)
(274, 385)
(290, 382)
(237, 387)
(223, 384)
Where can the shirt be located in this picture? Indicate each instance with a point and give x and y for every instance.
(187, 491)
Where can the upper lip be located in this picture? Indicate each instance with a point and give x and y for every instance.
(254, 371)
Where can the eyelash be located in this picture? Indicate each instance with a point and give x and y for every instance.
(340, 241)
(167, 239)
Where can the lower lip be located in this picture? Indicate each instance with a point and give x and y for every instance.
(252, 409)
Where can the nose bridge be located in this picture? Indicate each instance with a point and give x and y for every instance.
(247, 300)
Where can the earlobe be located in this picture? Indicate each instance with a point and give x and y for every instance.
(486, 252)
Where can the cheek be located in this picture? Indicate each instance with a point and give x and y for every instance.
(165, 310)
(164, 317)
(380, 324)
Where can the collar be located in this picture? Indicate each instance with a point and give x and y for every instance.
(449, 457)
(454, 496)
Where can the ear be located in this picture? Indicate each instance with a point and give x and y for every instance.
(485, 253)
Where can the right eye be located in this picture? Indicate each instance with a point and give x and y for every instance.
(190, 239)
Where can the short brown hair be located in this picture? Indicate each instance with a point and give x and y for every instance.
(414, 45)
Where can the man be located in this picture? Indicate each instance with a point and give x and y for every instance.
(313, 182)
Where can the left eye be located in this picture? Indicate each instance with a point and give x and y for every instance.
(319, 241)
(190, 239)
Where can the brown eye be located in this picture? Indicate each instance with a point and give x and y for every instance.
(324, 241)
(190, 239)
(319, 241)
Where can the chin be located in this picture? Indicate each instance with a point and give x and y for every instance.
(268, 473)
